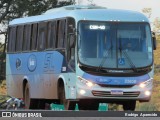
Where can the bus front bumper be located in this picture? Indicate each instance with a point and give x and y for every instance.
(134, 92)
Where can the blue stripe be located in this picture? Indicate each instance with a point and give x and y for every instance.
(116, 80)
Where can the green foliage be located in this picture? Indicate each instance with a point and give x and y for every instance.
(113, 107)
(64, 3)
(2, 62)
(147, 12)
(3, 84)
(3, 98)
(147, 107)
(20, 8)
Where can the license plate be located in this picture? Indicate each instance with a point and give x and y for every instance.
(116, 92)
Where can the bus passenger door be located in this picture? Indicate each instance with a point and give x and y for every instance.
(71, 40)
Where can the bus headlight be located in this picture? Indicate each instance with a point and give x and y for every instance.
(86, 82)
(144, 84)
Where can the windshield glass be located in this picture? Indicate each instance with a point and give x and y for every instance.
(114, 45)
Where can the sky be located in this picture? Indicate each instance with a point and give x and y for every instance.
(136, 5)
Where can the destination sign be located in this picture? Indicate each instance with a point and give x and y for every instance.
(99, 27)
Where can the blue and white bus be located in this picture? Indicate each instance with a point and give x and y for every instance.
(81, 54)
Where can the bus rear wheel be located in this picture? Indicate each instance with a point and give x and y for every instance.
(29, 103)
(129, 105)
(68, 105)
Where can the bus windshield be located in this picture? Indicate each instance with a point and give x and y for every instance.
(117, 45)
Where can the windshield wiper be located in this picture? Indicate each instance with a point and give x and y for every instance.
(127, 56)
(104, 58)
(130, 61)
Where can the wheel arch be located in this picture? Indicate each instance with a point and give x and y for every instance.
(60, 83)
(25, 81)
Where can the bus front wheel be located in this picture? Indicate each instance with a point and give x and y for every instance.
(68, 105)
(129, 105)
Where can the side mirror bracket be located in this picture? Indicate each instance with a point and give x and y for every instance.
(154, 41)
(71, 40)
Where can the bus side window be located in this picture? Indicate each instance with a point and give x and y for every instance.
(42, 35)
(27, 38)
(9, 40)
(34, 36)
(12, 39)
(51, 39)
(61, 34)
(19, 40)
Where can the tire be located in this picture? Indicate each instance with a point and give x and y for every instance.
(129, 105)
(88, 105)
(29, 103)
(68, 105)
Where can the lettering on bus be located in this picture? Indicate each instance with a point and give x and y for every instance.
(48, 63)
(130, 81)
(95, 27)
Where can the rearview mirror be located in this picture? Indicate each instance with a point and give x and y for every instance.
(154, 41)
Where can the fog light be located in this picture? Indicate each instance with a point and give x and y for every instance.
(147, 93)
(82, 92)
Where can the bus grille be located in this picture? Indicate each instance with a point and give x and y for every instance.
(108, 94)
(116, 86)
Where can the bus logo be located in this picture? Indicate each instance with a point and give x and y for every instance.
(32, 63)
(18, 63)
(103, 80)
(48, 63)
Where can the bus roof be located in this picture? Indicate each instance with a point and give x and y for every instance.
(94, 13)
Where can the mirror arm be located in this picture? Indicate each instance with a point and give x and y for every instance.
(154, 41)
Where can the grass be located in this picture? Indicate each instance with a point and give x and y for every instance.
(3, 90)
(3, 93)
(154, 104)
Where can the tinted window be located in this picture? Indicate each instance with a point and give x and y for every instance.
(27, 38)
(42, 35)
(12, 39)
(61, 33)
(19, 39)
(34, 36)
(51, 40)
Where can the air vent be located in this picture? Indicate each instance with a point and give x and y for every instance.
(74, 7)
(108, 94)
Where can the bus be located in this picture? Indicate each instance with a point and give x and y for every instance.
(82, 55)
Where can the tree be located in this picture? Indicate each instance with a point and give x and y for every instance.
(156, 28)
(91, 2)
(156, 24)
(65, 3)
(147, 12)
